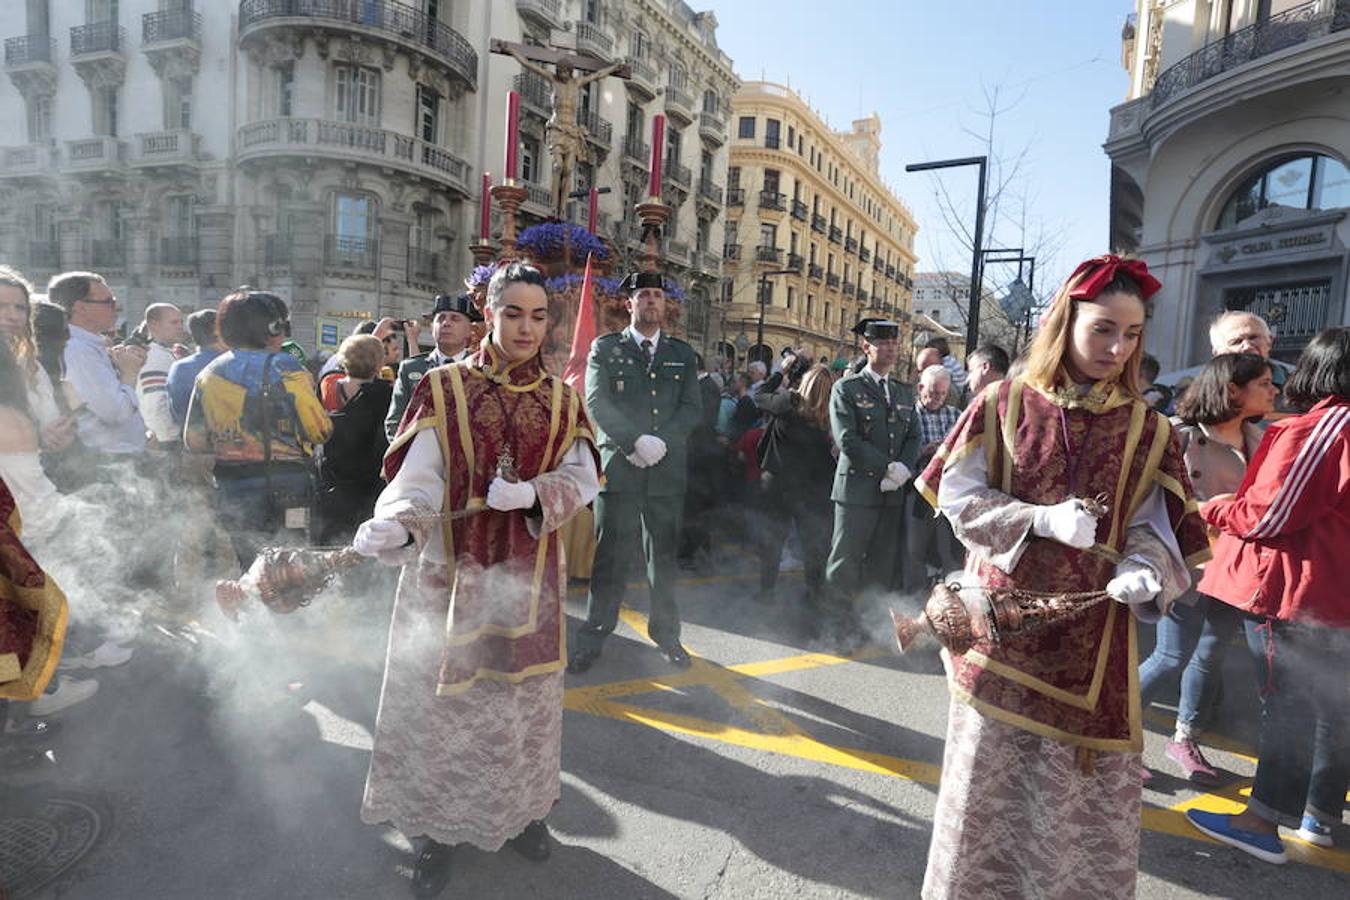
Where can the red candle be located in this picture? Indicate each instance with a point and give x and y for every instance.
(512, 135)
(658, 154)
(485, 210)
(594, 211)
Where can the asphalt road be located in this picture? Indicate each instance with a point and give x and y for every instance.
(228, 762)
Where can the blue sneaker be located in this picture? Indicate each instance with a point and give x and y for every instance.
(1314, 832)
(1266, 847)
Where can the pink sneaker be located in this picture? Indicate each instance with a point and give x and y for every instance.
(1187, 755)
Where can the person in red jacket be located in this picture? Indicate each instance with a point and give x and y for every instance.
(1283, 540)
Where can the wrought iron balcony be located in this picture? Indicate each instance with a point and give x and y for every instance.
(712, 127)
(1298, 25)
(890, 272)
(800, 212)
(356, 143)
(29, 49)
(795, 261)
(774, 200)
(735, 197)
(731, 251)
(832, 279)
(424, 266)
(637, 150)
(178, 252)
(850, 245)
(819, 223)
(642, 76)
(347, 252)
(171, 25)
(816, 272)
(536, 94)
(836, 234)
(547, 13)
(864, 254)
(678, 175)
(679, 103)
(593, 40)
(599, 129)
(98, 37)
(710, 192)
(769, 254)
(849, 288)
(878, 265)
(405, 25)
(863, 295)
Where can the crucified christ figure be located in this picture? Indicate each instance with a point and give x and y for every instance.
(566, 136)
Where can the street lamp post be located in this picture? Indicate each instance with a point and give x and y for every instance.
(763, 290)
(973, 319)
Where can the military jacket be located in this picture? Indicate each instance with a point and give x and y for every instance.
(627, 399)
(871, 433)
(410, 371)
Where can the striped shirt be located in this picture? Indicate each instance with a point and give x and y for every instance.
(934, 424)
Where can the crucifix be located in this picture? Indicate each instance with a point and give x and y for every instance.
(569, 73)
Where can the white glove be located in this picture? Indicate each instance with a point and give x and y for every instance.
(377, 536)
(889, 484)
(899, 473)
(1067, 522)
(1135, 583)
(508, 495)
(650, 447)
(636, 459)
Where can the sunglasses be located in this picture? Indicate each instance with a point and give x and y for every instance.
(111, 301)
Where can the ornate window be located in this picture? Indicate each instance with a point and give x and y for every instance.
(1307, 181)
(357, 94)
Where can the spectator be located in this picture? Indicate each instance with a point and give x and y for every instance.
(349, 463)
(799, 458)
(161, 328)
(20, 463)
(56, 430)
(758, 371)
(50, 335)
(452, 321)
(1283, 539)
(949, 362)
(1158, 396)
(927, 358)
(182, 374)
(110, 425)
(1218, 439)
(986, 365)
(929, 541)
(1239, 331)
(253, 408)
(936, 418)
(391, 332)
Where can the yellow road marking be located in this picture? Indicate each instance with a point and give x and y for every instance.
(780, 735)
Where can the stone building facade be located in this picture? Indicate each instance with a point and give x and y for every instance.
(806, 198)
(1229, 166)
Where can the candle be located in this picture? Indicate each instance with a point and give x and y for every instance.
(512, 135)
(594, 211)
(485, 210)
(658, 154)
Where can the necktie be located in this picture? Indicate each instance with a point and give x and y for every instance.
(647, 351)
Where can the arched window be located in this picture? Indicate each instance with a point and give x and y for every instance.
(1307, 181)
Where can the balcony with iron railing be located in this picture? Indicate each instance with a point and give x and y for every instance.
(678, 175)
(850, 245)
(735, 197)
(344, 141)
(424, 266)
(864, 253)
(712, 127)
(97, 39)
(546, 13)
(642, 76)
(30, 50)
(800, 211)
(709, 192)
(342, 251)
(817, 272)
(637, 151)
(592, 39)
(795, 261)
(819, 223)
(774, 201)
(178, 252)
(849, 288)
(599, 130)
(679, 103)
(768, 254)
(731, 251)
(536, 94)
(170, 26)
(863, 295)
(406, 27)
(836, 234)
(1293, 27)
(832, 279)
(890, 272)
(27, 161)
(878, 265)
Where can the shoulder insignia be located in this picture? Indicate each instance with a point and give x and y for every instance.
(415, 377)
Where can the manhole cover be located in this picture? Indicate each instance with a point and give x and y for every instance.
(37, 846)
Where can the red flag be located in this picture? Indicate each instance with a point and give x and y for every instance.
(583, 335)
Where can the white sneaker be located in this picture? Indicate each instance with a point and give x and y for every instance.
(108, 654)
(69, 691)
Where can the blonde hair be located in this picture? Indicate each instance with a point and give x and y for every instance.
(361, 355)
(815, 393)
(1045, 361)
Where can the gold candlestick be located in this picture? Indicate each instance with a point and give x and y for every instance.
(509, 197)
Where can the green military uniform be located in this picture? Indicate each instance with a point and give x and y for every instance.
(411, 370)
(871, 430)
(627, 398)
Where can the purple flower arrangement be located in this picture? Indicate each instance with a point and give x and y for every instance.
(480, 276)
(546, 241)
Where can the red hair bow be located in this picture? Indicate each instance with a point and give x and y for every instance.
(1100, 271)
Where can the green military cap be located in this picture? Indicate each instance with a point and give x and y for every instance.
(877, 329)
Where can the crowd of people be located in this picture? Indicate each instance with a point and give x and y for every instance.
(396, 451)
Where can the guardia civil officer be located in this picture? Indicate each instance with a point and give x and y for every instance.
(873, 422)
(452, 320)
(643, 394)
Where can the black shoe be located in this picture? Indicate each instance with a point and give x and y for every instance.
(676, 655)
(582, 659)
(432, 872)
(532, 843)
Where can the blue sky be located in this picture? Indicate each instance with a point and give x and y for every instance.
(924, 68)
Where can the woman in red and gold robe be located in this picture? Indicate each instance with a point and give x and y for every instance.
(32, 614)
(492, 457)
(1040, 793)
